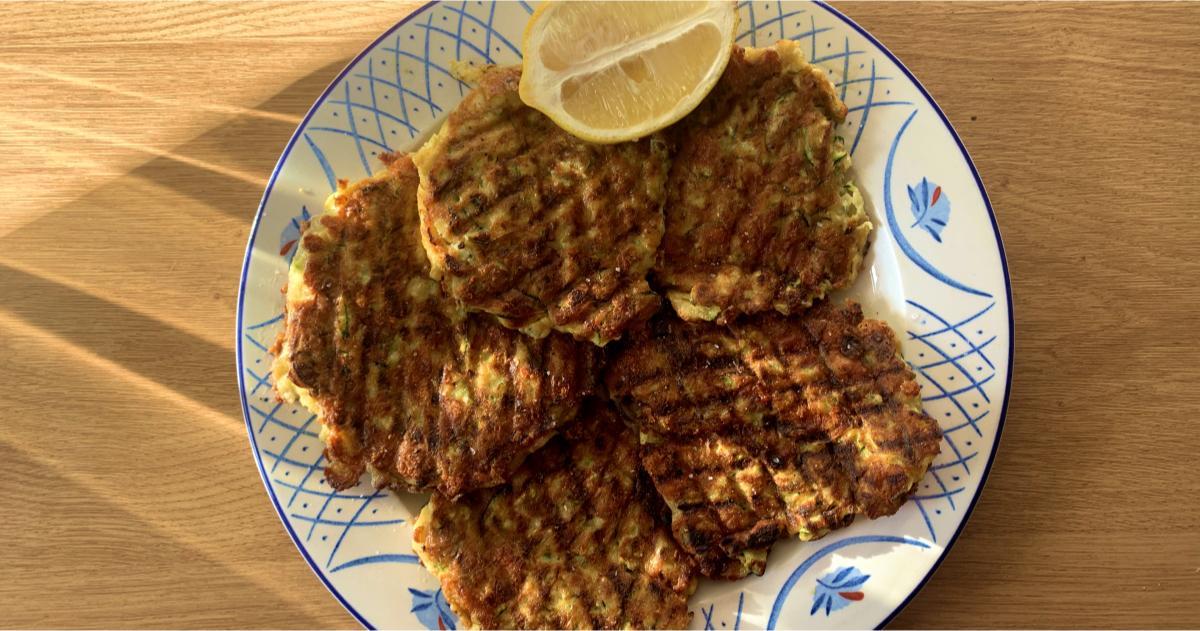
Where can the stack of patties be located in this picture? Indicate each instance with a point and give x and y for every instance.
(406, 384)
(445, 318)
(760, 416)
(449, 386)
(771, 427)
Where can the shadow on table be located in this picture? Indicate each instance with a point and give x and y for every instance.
(248, 145)
(99, 225)
(61, 285)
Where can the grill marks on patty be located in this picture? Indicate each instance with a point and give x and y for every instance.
(543, 230)
(572, 542)
(406, 385)
(773, 426)
(761, 213)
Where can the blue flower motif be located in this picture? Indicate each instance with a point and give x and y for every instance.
(838, 589)
(291, 234)
(930, 208)
(432, 610)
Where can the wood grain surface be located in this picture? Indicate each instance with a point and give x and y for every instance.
(136, 141)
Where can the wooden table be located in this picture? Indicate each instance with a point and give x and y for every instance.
(137, 139)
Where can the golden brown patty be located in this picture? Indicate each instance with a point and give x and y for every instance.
(773, 426)
(573, 542)
(524, 221)
(404, 383)
(761, 213)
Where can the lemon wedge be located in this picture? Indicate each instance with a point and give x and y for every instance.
(615, 71)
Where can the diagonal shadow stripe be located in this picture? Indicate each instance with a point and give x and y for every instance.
(227, 144)
(185, 363)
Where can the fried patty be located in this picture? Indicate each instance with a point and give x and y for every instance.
(535, 226)
(761, 212)
(773, 426)
(572, 542)
(405, 384)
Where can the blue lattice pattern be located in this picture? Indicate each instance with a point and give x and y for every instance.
(952, 365)
(289, 444)
(711, 617)
(402, 87)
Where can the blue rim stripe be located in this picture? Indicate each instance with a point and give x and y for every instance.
(379, 558)
(254, 450)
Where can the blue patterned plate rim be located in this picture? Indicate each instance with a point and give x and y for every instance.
(254, 450)
(1007, 290)
(253, 443)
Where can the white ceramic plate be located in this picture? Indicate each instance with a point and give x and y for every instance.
(936, 272)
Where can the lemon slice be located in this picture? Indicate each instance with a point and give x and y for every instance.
(615, 71)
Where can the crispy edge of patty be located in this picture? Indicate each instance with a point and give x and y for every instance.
(574, 541)
(805, 422)
(454, 402)
(713, 285)
(576, 293)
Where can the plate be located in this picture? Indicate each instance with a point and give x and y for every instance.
(935, 271)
